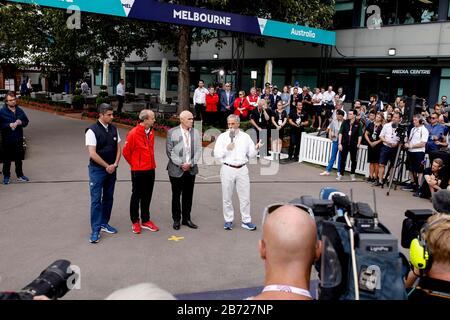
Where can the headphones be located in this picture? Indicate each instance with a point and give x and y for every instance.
(420, 118)
(419, 253)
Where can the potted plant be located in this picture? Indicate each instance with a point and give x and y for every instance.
(78, 100)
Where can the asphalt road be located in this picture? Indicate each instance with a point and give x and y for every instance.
(48, 219)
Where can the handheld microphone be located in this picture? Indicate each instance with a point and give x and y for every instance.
(232, 135)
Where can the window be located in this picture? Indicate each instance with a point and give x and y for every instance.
(444, 88)
(98, 78)
(143, 77)
(396, 12)
(306, 77)
(343, 17)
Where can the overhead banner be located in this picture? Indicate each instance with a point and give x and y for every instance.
(152, 10)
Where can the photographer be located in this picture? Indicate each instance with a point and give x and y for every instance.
(430, 254)
(433, 180)
(390, 143)
(416, 141)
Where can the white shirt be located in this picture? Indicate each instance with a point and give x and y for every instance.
(91, 140)
(187, 144)
(417, 135)
(244, 148)
(328, 96)
(120, 90)
(388, 133)
(317, 97)
(200, 95)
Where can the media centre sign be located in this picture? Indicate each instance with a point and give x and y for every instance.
(411, 72)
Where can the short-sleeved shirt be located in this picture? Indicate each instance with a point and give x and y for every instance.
(417, 135)
(91, 140)
(298, 118)
(260, 119)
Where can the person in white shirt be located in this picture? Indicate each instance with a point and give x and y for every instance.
(415, 144)
(200, 100)
(120, 93)
(233, 149)
(317, 103)
(328, 98)
(389, 148)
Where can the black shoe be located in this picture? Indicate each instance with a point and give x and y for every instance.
(377, 184)
(176, 225)
(417, 194)
(190, 224)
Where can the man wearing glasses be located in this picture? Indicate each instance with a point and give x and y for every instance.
(289, 248)
(12, 121)
(436, 137)
(233, 149)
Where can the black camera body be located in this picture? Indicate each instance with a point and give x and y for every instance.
(415, 219)
(401, 130)
(54, 282)
(379, 267)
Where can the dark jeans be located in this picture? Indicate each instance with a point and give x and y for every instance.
(294, 145)
(353, 149)
(101, 185)
(7, 168)
(200, 111)
(182, 187)
(141, 194)
(121, 100)
(210, 118)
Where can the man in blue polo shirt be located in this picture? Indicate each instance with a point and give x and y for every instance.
(436, 136)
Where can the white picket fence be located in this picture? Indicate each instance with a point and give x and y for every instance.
(317, 150)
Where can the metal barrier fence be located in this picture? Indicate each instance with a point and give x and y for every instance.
(317, 150)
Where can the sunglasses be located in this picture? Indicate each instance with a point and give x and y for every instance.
(274, 206)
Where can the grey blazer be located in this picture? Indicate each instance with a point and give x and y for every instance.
(175, 151)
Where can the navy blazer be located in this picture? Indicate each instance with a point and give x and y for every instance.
(10, 136)
(223, 101)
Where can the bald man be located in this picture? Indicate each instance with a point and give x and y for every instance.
(139, 151)
(289, 247)
(184, 149)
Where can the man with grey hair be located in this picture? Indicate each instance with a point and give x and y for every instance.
(103, 142)
(184, 149)
(139, 151)
(233, 149)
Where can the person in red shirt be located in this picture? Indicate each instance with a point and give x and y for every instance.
(251, 101)
(240, 108)
(140, 154)
(212, 99)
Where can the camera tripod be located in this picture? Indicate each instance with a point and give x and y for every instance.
(397, 167)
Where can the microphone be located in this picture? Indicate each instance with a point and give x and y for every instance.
(232, 135)
(341, 201)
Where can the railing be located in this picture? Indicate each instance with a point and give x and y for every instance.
(317, 150)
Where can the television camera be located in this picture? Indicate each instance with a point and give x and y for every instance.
(360, 258)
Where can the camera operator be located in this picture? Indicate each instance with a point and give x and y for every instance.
(431, 253)
(389, 148)
(289, 248)
(415, 145)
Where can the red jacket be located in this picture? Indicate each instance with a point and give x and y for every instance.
(240, 103)
(139, 150)
(251, 102)
(211, 102)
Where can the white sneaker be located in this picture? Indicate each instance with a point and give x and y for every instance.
(325, 173)
(352, 176)
(339, 178)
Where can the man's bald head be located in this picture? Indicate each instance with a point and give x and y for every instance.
(186, 119)
(289, 236)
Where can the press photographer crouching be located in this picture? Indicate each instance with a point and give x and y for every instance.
(430, 254)
(54, 282)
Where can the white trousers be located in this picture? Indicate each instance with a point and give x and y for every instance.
(230, 177)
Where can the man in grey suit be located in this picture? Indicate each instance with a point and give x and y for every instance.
(184, 149)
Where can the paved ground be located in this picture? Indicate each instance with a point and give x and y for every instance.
(48, 219)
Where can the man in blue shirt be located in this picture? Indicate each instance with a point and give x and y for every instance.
(436, 137)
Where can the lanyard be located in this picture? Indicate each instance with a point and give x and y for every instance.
(285, 288)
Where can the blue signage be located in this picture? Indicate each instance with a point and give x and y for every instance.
(197, 17)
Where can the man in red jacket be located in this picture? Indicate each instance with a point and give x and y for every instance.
(140, 154)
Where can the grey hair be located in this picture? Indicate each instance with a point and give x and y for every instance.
(141, 291)
(143, 115)
(234, 117)
(104, 107)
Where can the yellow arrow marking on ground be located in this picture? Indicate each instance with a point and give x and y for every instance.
(175, 238)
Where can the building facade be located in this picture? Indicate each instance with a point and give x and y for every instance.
(390, 48)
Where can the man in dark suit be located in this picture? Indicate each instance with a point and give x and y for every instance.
(226, 100)
(184, 150)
